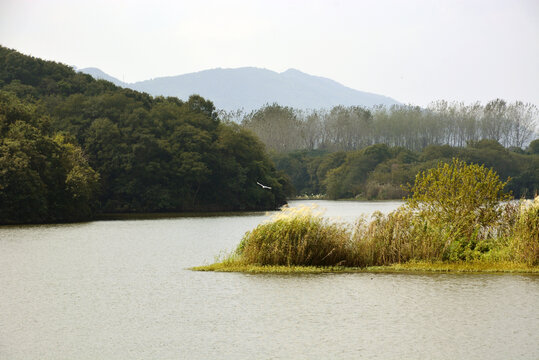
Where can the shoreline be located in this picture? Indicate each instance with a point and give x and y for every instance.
(475, 267)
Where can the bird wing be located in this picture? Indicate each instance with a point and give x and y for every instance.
(264, 186)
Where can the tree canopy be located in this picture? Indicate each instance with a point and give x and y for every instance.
(126, 150)
(42, 178)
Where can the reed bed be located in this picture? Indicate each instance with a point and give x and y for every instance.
(525, 239)
(297, 236)
(301, 240)
(408, 235)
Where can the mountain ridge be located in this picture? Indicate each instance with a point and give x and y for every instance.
(250, 88)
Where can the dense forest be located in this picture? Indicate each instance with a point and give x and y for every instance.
(355, 152)
(71, 146)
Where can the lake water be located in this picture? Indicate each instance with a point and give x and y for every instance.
(121, 290)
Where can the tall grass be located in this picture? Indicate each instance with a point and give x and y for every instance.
(297, 236)
(302, 237)
(525, 239)
(405, 235)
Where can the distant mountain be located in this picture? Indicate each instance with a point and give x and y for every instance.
(250, 88)
(100, 75)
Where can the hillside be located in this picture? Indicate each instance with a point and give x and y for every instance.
(72, 146)
(250, 88)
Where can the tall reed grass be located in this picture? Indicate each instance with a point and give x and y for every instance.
(525, 239)
(406, 234)
(297, 236)
(302, 237)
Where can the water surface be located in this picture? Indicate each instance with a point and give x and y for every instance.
(121, 290)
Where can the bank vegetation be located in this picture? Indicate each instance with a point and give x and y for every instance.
(458, 219)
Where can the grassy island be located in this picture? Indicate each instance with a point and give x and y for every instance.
(458, 219)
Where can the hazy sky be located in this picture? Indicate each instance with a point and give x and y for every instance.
(414, 51)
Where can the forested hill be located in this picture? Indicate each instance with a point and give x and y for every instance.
(71, 145)
(250, 88)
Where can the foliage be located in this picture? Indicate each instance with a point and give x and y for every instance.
(42, 178)
(164, 154)
(303, 168)
(460, 200)
(347, 180)
(151, 154)
(349, 175)
(240, 159)
(458, 193)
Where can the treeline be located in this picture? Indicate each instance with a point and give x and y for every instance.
(355, 152)
(342, 128)
(379, 171)
(71, 145)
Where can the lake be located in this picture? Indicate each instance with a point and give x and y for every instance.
(121, 290)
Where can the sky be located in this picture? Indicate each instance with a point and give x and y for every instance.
(415, 51)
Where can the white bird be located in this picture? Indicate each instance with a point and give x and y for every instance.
(264, 186)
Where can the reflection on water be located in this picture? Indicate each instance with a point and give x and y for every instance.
(120, 289)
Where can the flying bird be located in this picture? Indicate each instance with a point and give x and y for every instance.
(264, 186)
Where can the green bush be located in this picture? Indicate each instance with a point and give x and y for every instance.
(462, 201)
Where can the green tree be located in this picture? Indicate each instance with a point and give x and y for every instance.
(42, 177)
(241, 163)
(348, 180)
(461, 200)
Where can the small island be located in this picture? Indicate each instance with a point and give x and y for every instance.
(458, 219)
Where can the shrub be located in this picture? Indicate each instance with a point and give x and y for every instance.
(462, 202)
